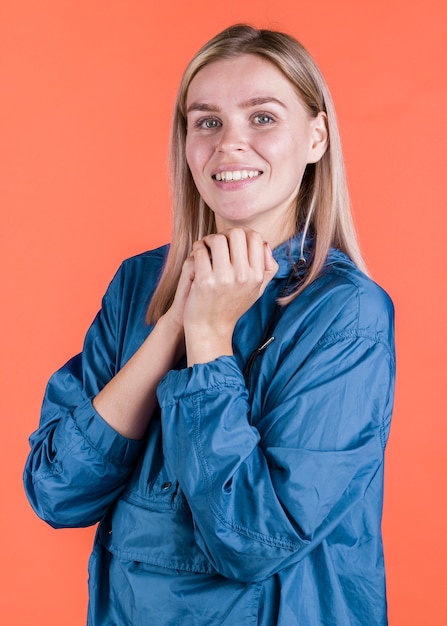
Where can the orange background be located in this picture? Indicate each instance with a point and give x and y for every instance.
(87, 88)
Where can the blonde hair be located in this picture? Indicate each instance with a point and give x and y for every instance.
(322, 206)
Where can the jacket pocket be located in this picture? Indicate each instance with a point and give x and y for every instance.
(154, 536)
(138, 594)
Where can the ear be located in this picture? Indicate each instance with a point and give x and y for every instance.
(319, 137)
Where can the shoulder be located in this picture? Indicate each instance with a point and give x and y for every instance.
(138, 275)
(150, 262)
(345, 302)
(342, 280)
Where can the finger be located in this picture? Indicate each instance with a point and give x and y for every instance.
(185, 280)
(201, 257)
(255, 245)
(238, 245)
(187, 273)
(219, 251)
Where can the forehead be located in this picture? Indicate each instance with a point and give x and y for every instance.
(239, 79)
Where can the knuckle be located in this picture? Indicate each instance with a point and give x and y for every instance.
(236, 234)
(242, 278)
(256, 237)
(214, 237)
(205, 281)
(220, 238)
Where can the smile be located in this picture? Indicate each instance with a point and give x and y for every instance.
(236, 175)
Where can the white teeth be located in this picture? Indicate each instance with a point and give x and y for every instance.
(237, 175)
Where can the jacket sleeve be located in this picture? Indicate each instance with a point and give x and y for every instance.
(264, 496)
(78, 464)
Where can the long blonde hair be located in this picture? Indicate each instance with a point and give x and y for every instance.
(322, 206)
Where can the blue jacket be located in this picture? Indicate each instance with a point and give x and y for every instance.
(256, 496)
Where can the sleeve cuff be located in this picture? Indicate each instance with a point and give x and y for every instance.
(100, 436)
(220, 373)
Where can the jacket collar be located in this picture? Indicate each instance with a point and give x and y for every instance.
(288, 254)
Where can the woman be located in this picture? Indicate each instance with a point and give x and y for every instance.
(232, 447)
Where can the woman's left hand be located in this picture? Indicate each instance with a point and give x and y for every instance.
(231, 271)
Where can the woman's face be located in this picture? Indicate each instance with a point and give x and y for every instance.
(249, 139)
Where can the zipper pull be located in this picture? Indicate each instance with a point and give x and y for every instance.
(265, 344)
(252, 358)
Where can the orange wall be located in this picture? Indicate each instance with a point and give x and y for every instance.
(87, 88)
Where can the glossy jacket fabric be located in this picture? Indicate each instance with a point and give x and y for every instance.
(256, 496)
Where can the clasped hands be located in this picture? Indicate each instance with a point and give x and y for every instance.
(223, 276)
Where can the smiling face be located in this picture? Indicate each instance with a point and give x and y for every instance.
(249, 139)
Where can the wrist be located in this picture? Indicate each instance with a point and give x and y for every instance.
(172, 333)
(205, 346)
(170, 325)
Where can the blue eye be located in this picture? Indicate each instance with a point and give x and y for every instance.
(263, 119)
(209, 123)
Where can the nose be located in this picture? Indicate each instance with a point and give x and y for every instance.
(232, 139)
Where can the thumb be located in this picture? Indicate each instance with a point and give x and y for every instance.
(270, 264)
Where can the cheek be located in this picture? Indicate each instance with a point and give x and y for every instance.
(294, 153)
(197, 153)
(278, 150)
(195, 161)
(190, 153)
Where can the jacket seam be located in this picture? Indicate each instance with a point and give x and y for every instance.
(136, 555)
(358, 333)
(251, 534)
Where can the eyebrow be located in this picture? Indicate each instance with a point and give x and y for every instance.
(252, 102)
